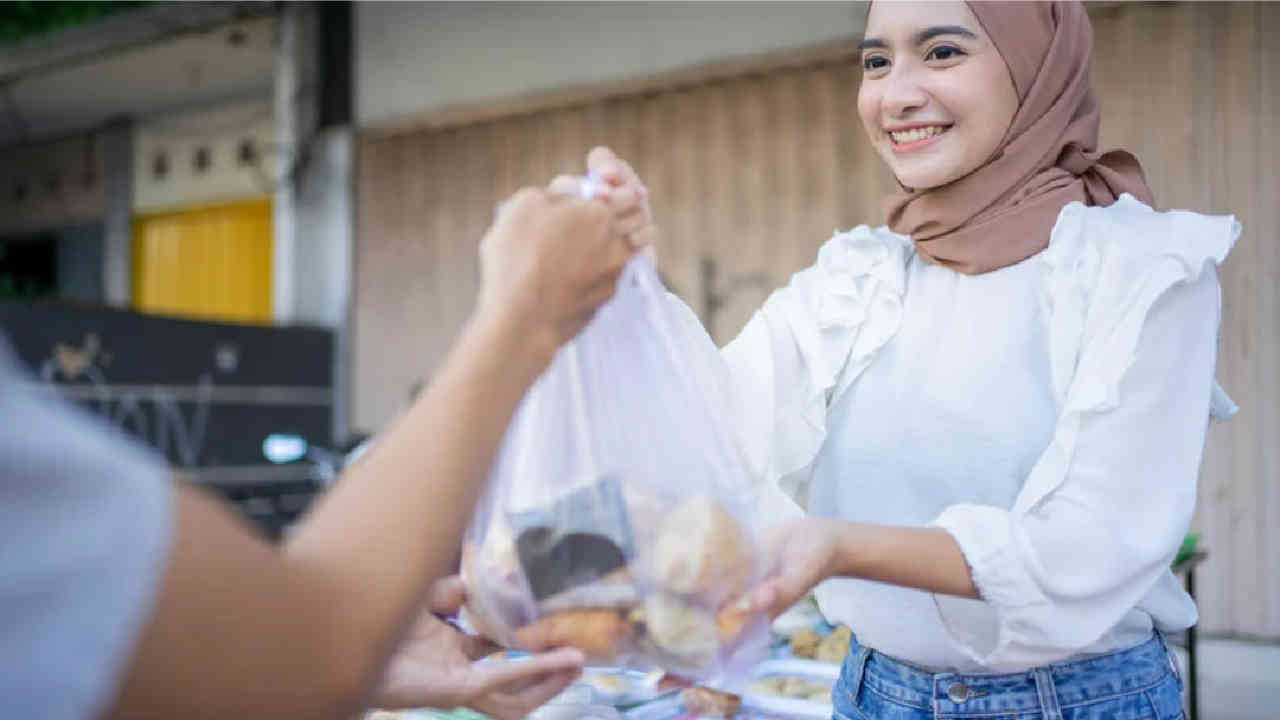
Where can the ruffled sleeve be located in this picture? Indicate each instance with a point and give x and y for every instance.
(806, 345)
(1133, 306)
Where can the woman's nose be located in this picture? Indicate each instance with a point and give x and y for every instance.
(902, 94)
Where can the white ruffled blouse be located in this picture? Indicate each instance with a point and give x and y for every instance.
(1050, 415)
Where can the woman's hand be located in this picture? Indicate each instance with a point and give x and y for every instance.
(803, 552)
(797, 556)
(620, 189)
(435, 667)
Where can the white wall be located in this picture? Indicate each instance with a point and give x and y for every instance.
(419, 57)
(179, 135)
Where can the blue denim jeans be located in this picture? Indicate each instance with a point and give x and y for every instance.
(1140, 683)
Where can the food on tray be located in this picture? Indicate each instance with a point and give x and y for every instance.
(832, 648)
(793, 686)
(609, 684)
(835, 646)
(804, 643)
(713, 703)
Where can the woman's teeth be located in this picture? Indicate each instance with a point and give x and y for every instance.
(916, 134)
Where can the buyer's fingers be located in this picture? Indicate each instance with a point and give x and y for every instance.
(613, 170)
(604, 164)
(447, 595)
(570, 185)
(498, 675)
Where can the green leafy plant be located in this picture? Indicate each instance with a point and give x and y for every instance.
(1188, 548)
(23, 19)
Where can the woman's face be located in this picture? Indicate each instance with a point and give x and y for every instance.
(936, 97)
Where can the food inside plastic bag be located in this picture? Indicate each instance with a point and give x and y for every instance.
(619, 514)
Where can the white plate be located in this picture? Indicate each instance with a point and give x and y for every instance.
(792, 707)
(635, 687)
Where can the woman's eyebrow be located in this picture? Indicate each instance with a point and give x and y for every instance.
(922, 37)
(930, 33)
(868, 43)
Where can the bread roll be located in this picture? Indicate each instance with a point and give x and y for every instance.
(702, 551)
(684, 630)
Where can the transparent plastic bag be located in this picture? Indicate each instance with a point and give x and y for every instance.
(619, 516)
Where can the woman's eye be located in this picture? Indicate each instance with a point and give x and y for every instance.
(944, 52)
(874, 62)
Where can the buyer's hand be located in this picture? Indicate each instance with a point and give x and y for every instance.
(547, 263)
(436, 667)
(621, 190)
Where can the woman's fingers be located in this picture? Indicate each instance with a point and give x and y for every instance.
(613, 170)
(604, 164)
(622, 199)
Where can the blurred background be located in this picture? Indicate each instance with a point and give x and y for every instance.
(223, 222)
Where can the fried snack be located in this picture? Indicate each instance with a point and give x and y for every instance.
(730, 622)
(792, 686)
(685, 630)
(713, 703)
(600, 633)
(804, 644)
(702, 551)
(835, 646)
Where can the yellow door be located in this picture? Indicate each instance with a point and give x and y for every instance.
(212, 263)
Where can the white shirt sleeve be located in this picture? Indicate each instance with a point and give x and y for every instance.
(84, 530)
(1062, 571)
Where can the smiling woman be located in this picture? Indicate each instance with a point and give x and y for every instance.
(992, 410)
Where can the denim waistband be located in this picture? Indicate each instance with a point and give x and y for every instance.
(1058, 686)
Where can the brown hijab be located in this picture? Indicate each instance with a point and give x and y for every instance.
(1003, 212)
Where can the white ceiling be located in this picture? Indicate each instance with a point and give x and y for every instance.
(228, 62)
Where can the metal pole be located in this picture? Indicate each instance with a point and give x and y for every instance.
(1192, 695)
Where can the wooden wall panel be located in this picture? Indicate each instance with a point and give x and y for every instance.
(1191, 88)
(1267, 309)
(754, 172)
